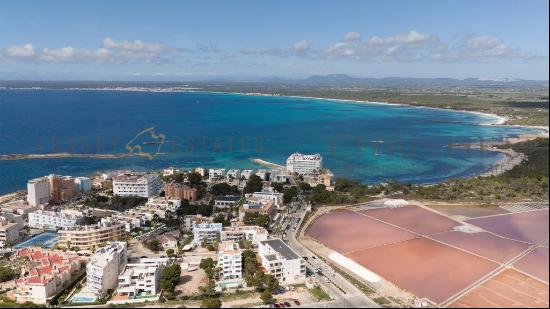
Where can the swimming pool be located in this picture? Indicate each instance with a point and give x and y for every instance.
(44, 240)
(83, 299)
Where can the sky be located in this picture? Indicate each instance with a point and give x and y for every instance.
(193, 40)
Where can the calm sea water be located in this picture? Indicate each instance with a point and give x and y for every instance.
(367, 142)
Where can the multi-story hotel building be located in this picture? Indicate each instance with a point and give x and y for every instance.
(229, 260)
(83, 184)
(62, 188)
(302, 164)
(279, 260)
(146, 185)
(190, 221)
(216, 173)
(254, 234)
(141, 279)
(104, 267)
(206, 232)
(52, 220)
(89, 237)
(259, 206)
(268, 194)
(9, 232)
(278, 175)
(233, 175)
(38, 191)
(180, 191)
(245, 174)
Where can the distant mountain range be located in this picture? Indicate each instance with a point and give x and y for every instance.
(331, 80)
(343, 80)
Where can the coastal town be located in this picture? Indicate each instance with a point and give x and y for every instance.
(278, 236)
(274, 154)
(126, 237)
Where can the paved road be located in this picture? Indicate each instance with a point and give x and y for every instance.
(345, 294)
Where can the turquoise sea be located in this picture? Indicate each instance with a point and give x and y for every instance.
(366, 142)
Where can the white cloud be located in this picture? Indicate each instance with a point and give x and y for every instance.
(484, 46)
(135, 46)
(340, 49)
(413, 37)
(404, 47)
(19, 51)
(300, 46)
(111, 50)
(63, 54)
(352, 36)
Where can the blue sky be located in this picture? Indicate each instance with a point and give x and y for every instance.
(185, 40)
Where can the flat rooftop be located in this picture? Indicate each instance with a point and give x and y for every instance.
(282, 248)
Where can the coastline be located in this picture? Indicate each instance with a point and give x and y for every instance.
(31, 156)
(509, 160)
(497, 119)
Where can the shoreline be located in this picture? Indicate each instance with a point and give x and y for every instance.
(508, 161)
(31, 156)
(498, 120)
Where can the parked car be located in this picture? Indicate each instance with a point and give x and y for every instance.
(296, 302)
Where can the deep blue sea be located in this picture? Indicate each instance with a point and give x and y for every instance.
(367, 142)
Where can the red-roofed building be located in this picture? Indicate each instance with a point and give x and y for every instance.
(48, 273)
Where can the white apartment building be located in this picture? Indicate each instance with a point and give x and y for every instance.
(140, 279)
(170, 171)
(190, 221)
(229, 260)
(268, 194)
(146, 185)
(163, 203)
(246, 174)
(216, 173)
(52, 220)
(254, 234)
(89, 237)
(279, 260)
(206, 232)
(278, 176)
(199, 170)
(83, 184)
(304, 164)
(38, 191)
(233, 175)
(9, 232)
(104, 267)
(262, 173)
